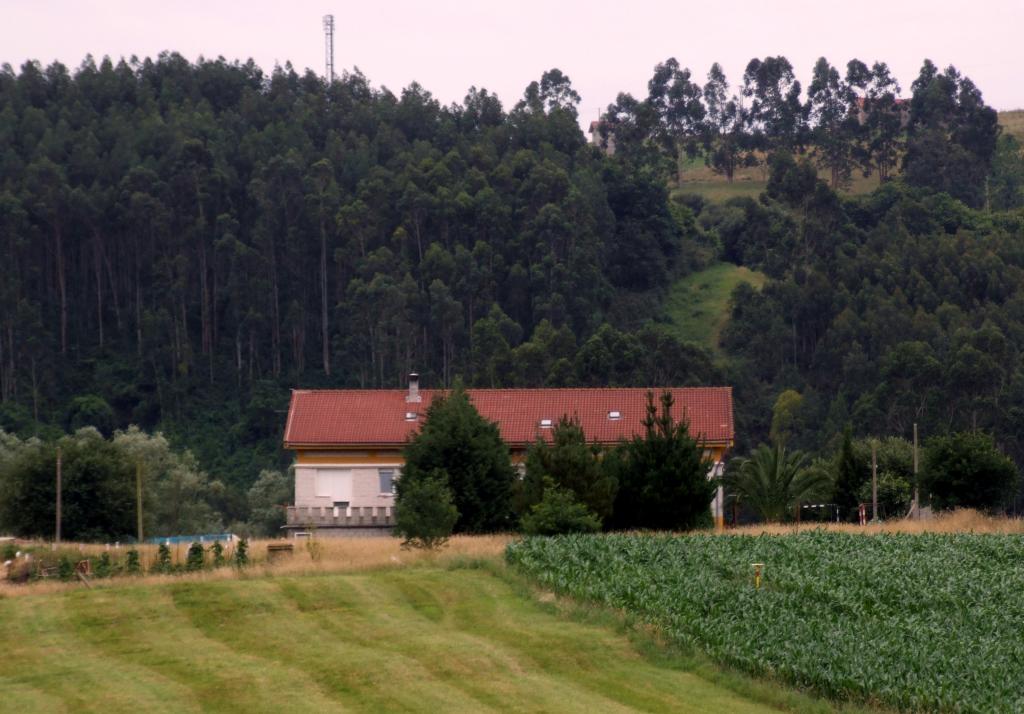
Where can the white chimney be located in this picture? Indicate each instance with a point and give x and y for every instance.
(414, 389)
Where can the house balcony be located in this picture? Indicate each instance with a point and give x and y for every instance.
(306, 517)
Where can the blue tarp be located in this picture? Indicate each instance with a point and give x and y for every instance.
(204, 538)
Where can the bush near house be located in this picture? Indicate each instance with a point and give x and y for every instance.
(559, 512)
(966, 470)
(425, 515)
(456, 441)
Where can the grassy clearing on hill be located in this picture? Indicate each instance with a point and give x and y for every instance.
(699, 179)
(411, 639)
(1013, 123)
(698, 305)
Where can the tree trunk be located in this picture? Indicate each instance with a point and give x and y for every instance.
(35, 390)
(98, 268)
(113, 291)
(324, 330)
(275, 315)
(62, 288)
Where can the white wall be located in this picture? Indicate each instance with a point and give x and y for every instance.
(323, 485)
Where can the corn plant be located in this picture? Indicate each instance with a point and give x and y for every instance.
(914, 622)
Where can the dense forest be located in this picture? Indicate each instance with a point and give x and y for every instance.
(185, 242)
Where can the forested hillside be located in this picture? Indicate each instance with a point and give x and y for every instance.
(185, 242)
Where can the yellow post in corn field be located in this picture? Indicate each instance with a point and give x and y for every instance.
(757, 574)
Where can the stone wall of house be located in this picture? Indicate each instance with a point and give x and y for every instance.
(363, 490)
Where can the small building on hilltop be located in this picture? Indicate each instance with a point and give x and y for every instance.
(348, 442)
(602, 136)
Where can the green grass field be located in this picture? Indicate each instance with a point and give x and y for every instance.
(698, 305)
(420, 638)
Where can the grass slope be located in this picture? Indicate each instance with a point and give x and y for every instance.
(410, 639)
(1013, 123)
(698, 178)
(698, 305)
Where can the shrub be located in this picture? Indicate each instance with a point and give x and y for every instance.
(218, 554)
(426, 514)
(196, 558)
(163, 559)
(133, 565)
(559, 512)
(568, 462)
(65, 568)
(242, 553)
(104, 567)
(966, 470)
(10, 552)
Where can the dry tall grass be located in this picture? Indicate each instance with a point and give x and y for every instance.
(959, 521)
(322, 555)
(336, 555)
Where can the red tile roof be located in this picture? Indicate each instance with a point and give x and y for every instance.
(363, 417)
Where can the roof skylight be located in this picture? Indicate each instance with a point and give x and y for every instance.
(614, 415)
(545, 423)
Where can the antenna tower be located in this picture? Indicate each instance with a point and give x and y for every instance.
(329, 47)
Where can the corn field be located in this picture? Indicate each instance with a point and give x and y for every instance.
(913, 622)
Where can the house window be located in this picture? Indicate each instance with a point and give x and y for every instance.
(334, 484)
(545, 423)
(387, 481)
(614, 415)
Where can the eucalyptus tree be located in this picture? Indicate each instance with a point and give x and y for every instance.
(726, 141)
(832, 111)
(951, 135)
(881, 115)
(677, 101)
(777, 116)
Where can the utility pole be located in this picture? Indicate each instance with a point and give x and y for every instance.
(874, 480)
(138, 496)
(917, 481)
(57, 539)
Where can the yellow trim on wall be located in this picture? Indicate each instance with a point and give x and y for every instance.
(321, 456)
(303, 458)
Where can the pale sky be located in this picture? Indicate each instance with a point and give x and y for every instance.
(604, 47)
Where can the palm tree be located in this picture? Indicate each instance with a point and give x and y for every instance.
(772, 481)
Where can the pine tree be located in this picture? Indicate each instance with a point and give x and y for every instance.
(458, 441)
(570, 463)
(850, 476)
(662, 475)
